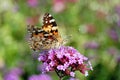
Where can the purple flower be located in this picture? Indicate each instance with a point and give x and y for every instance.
(118, 59)
(32, 3)
(40, 77)
(117, 9)
(65, 61)
(91, 45)
(73, 78)
(112, 51)
(113, 34)
(72, 74)
(42, 67)
(42, 57)
(11, 77)
(118, 23)
(13, 74)
(60, 67)
(33, 77)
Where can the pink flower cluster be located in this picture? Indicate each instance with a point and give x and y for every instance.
(64, 61)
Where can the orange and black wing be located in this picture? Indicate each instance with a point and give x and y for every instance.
(49, 25)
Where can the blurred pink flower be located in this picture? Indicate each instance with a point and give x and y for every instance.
(117, 9)
(91, 45)
(58, 5)
(32, 3)
(113, 34)
(118, 58)
(72, 1)
(113, 51)
(91, 29)
(118, 23)
(32, 20)
(40, 77)
(100, 14)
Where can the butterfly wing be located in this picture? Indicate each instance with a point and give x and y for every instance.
(35, 37)
(50, 26)
(46, 37)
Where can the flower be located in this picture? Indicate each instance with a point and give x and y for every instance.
(32, 3)
(42, 67)
(113, 34)
(91, 45)
(118, 23)
(13, 74)
(118, 59)
(73, 78)
(58, 5)
(65, 61)
(117, 9)
(40, 77)
(11, 77)
(72, 74)
(72, 1)
(101, 14)
(112, 51)
(91, 29)
(33, 20)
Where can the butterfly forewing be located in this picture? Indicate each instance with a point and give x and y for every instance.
(49, 20)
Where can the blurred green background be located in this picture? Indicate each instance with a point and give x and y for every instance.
(94, 27)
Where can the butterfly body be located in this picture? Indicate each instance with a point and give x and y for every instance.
(46, 37)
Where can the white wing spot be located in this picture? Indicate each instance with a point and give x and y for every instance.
(52, 20)
(46, 21)
(33, 31)
(46, 34)
(54, 28)
(40, 30)
(50, 15)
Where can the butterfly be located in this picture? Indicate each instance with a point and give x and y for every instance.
(46, 37)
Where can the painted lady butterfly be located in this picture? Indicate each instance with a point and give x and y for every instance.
(46, 37)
